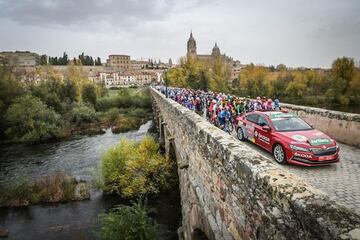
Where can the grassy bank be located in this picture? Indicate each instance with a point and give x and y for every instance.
(48, 189)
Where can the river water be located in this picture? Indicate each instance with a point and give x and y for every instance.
(76, 220)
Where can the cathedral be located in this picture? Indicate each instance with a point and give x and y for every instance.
(192, 54)
(235, 66)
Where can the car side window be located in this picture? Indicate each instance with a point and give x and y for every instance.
(252, 118)
(262, 121)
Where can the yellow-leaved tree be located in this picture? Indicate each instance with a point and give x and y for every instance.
(133, 169)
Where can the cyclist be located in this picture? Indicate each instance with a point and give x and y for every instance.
(269, 104)
(276, 105)
(223, 116)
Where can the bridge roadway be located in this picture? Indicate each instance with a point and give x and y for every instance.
(340, 181)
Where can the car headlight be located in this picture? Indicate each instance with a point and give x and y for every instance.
(297, 148)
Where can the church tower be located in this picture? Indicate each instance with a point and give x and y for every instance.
(191, 47)
(215, 51)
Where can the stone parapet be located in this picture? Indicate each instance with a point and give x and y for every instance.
(229, 191)
(342, 126)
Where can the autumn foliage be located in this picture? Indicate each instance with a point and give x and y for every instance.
(133, 169)
(338, 86)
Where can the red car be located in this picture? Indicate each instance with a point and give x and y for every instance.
(288, 137)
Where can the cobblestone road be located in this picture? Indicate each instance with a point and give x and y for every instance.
(341, 181)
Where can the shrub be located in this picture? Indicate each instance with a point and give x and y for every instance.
(54, 188)
(83, 114)
(125, 98)
(125, 124)
(89, 93)
(127, 222)
(138, 112)
(311, 100)
(29, 120)
(112, 114)
(133, 169)
(18, 193)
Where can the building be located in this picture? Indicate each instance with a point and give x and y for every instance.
(119, 61)
(234, 66)
(126, 78)
(20, 58)
(192, 52)
(236, 69)
(139, 64)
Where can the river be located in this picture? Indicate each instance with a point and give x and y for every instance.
(80, 157)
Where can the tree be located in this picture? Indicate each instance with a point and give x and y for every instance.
(281, 67)
(49, 92)
(43, 59)
(176, 77)
(89, 93)
(83, 114)
(354, 91)
(219, 75)
(342, 73)
(82, 58)
(133, 169)
(31, 121)
(10, 87)
(127, 223)
(98, 61)
(68, 91)
(74, 74)
(204, 80)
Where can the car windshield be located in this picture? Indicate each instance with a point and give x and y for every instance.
(286, 124)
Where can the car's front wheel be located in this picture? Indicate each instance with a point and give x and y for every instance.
(279, 154)
(240, 134)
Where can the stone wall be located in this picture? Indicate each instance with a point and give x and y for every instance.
(229, 191)
(342, 126)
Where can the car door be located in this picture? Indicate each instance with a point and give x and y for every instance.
(262, 137)
(249, 126)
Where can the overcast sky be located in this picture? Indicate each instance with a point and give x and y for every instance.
(297, 33)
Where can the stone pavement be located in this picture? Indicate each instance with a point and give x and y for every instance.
(341, 181)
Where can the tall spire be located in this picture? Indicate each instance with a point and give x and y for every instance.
(191, 46)
(191, 35)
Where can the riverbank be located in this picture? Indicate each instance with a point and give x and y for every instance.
(55, 188)
(77, 156)
(79, 220)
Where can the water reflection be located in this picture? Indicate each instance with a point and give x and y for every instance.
(75, 220)
(78, 156)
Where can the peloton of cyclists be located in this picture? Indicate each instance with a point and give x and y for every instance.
(220, 109)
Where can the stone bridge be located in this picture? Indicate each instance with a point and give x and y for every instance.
(230, 191)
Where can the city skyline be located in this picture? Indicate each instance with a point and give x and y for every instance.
(269, 33)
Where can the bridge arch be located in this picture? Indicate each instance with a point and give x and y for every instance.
(198, 234)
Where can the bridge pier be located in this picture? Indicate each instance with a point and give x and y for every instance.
(228, 191)
(195, 224)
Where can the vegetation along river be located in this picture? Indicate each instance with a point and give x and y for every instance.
(79, 157)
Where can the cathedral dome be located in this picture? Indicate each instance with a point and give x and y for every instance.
(216, 50)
